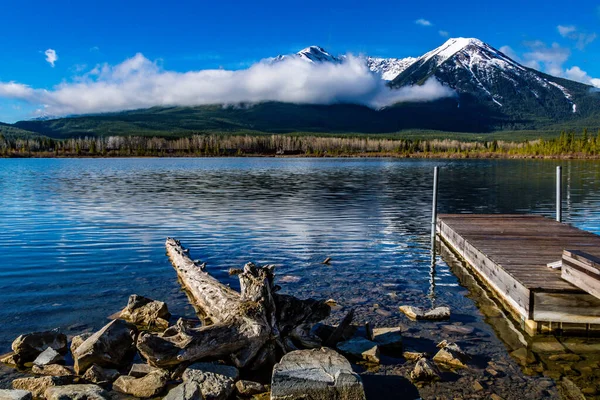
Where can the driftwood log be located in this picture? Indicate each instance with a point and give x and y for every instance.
(251, 328)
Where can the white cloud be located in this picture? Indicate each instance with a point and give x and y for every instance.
(565, 31)
(51, 56)
(550, 59)
(582, 39)
(423, 22)
(140, 83)
(444, 33)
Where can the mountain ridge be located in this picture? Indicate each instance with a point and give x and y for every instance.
(494, 92)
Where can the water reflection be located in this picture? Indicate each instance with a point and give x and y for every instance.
(78, 236)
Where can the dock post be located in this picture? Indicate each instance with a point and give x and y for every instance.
(434, 205)
(558, 194)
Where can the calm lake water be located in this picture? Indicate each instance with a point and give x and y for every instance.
(78, 236)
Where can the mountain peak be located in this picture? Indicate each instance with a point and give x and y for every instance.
(453, 46)
(316, 54)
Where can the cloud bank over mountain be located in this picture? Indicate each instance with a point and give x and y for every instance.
(140, 83)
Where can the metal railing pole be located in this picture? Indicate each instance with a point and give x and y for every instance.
(558, 194)
(434, 205)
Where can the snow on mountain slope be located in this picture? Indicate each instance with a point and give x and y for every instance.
(389, 68)
(473, 67)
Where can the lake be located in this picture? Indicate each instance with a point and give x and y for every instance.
(78, 236)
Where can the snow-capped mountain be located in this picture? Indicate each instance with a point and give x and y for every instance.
(389, 68)
(474, 68)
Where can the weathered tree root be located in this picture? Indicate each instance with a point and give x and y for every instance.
(251, 328)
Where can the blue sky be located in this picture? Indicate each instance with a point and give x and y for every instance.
(553, 36)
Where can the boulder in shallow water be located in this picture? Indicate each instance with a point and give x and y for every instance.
(48, 356)
(77, 392)
(317, 374)
(147, 386)
(185, 391)
(38, 386)
(11, 359)
(451, 355)
(28, 347)
(111, 346)
(417, 313)
(425, 371)
(360, 349)
(388, 339)
(216, 381)
(7, 394)
(143, 311)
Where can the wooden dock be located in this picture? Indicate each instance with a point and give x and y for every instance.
(510, 254)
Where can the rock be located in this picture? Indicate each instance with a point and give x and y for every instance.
(53, 370)
(321, 374)
(111, 346)
(140, 370)
(413, 355)
(11, 359)
(425, 371)
(568, 390)
(523, 356)
(185, 391)
(37, 386)
(28, 347)
(76, 392)
(494, 396)
(6, 394)
(417, 313)
(147, 386)
(463, 330)
(478, 386)
(564, 357)
(388, 339)
(360, 349)
(77, 340)
(216, 381)
(450, 354)
(97, 374)
(48, 356)
(143, 311)
(249, 388)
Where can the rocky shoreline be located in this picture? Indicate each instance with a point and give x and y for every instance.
(347, 360)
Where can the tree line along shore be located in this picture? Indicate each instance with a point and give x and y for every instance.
(568, 145)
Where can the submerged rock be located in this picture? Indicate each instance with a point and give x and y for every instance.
(417, 313)
(185, 391)
(147, 386)
(523, 356)
(315, 374)
(360, 349)
(76, 392)
(28, 347)
(450, 354)
(111, 346)
(425, 371)
(143, 311)
(388, 339)
(48, 356)
(7, 394)
(38, 386)
(216, 381)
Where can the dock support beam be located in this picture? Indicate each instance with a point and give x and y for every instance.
(558, 194)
